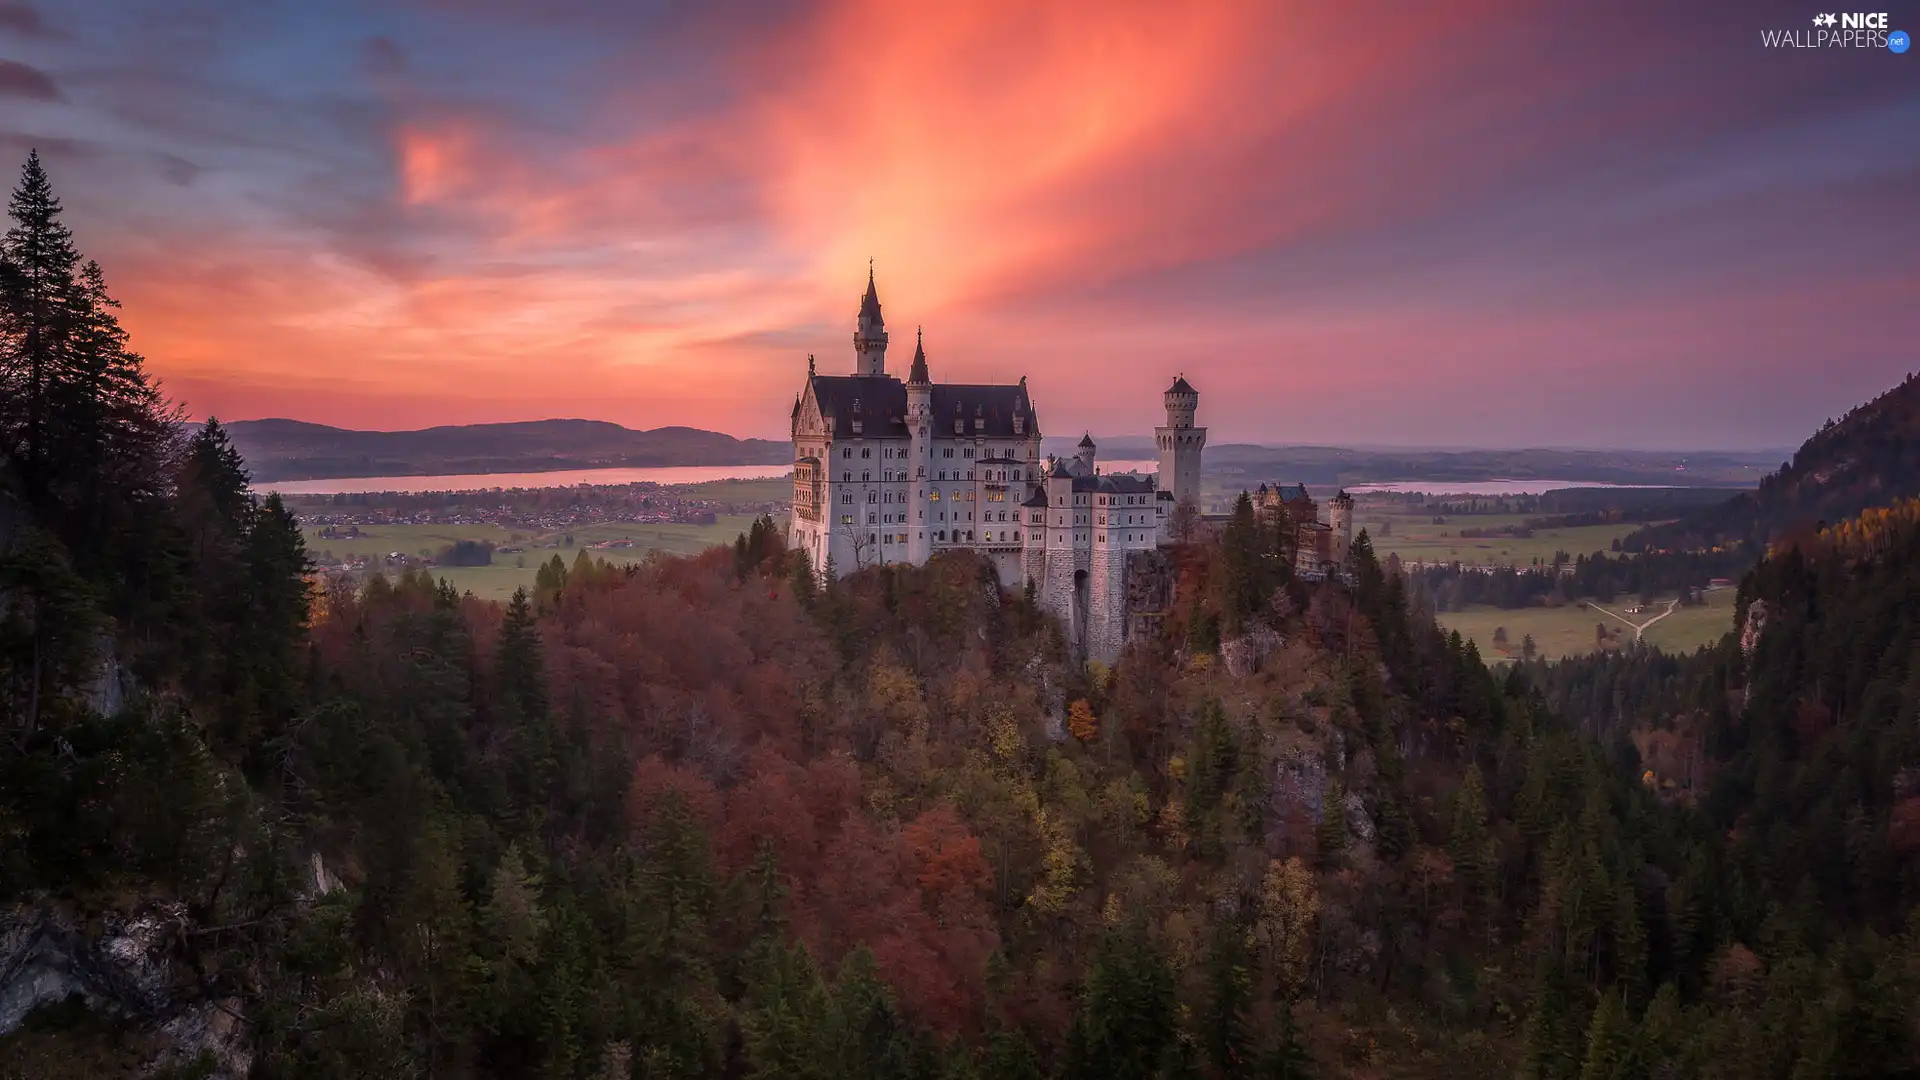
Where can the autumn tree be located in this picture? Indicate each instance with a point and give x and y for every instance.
(1081, 723)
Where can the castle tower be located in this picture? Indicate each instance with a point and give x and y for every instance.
(1180, 444)
(870, 333)
(919, 429)
(1086, 454)
(1340, 523)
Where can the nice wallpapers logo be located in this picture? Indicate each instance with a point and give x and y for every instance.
(1845, 30)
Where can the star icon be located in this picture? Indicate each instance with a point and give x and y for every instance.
(1830, 19)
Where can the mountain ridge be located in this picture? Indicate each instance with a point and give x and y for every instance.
(1869, 457)
(277, 448)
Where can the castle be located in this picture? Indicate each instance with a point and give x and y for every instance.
(1315, 547)
(887, 471)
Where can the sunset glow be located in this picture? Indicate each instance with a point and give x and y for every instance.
(1345, 222)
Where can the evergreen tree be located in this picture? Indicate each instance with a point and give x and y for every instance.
(1225, 1034)
(40, 316)
(1128, 1023)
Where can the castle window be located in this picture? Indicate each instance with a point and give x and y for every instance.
(846, 497)
(948, 452)
(1016, 474)
(846, 452)
(865, 476)
(846, 519)
(847, 476)
(969, 474)
(866, 451)
(872, 498)
(933, 496)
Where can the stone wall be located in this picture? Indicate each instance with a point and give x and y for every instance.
(1107, 603)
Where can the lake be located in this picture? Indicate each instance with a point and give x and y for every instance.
(675, 474)
(1484, 487)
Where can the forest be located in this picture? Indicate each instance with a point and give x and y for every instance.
(709, 817)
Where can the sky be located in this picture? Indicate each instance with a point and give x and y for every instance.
(1470, 224)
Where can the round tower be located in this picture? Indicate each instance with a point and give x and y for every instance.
(870, 333)
(1085, 455)
(920, 448)
(1340, 522)
(1180, 444)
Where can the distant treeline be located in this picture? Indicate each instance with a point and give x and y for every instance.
(1598, 576)
(1591, 505)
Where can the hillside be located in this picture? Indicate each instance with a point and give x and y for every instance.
(295, 450)
(1870, 457)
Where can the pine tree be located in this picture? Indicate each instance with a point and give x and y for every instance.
(1128, 1021)
(1467, 835)
(40, 310)
(1224, 1030)
(526, 727)
(1288, 1059)
(1609, 1041)
(1332, 835)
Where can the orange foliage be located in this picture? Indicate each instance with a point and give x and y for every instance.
(1081, 722)
(722, 695)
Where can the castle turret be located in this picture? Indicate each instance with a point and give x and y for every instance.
(919, 448)
(1085, 456)
(870, 333)
(1180, 444)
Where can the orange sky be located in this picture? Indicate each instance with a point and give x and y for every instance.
(1346, 223)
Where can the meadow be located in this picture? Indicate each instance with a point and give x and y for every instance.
(1569, 630)
(1411, 534)
(511, 570)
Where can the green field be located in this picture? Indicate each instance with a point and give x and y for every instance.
(512, 570)
(1414, 537)
(1569, 630)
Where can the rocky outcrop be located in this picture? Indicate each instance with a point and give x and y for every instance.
(119, 965)
(1754, 625)
(1244, 655)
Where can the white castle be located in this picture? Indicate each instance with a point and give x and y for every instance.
(892, 472)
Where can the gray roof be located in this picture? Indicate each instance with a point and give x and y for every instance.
(1181, 386)
(870, 303)
(882, 407)
(1123, 484)
(1087, 439)
(919, 372)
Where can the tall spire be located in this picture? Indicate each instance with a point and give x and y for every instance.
(870, 333)
(918, 373)
(870, 303)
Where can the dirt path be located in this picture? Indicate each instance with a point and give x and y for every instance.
(1637, 628)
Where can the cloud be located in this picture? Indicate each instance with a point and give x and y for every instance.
(24, 20)
(24, 81)
(653, 211)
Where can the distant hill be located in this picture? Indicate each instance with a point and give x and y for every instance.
(295, 450)
(1870, 457)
